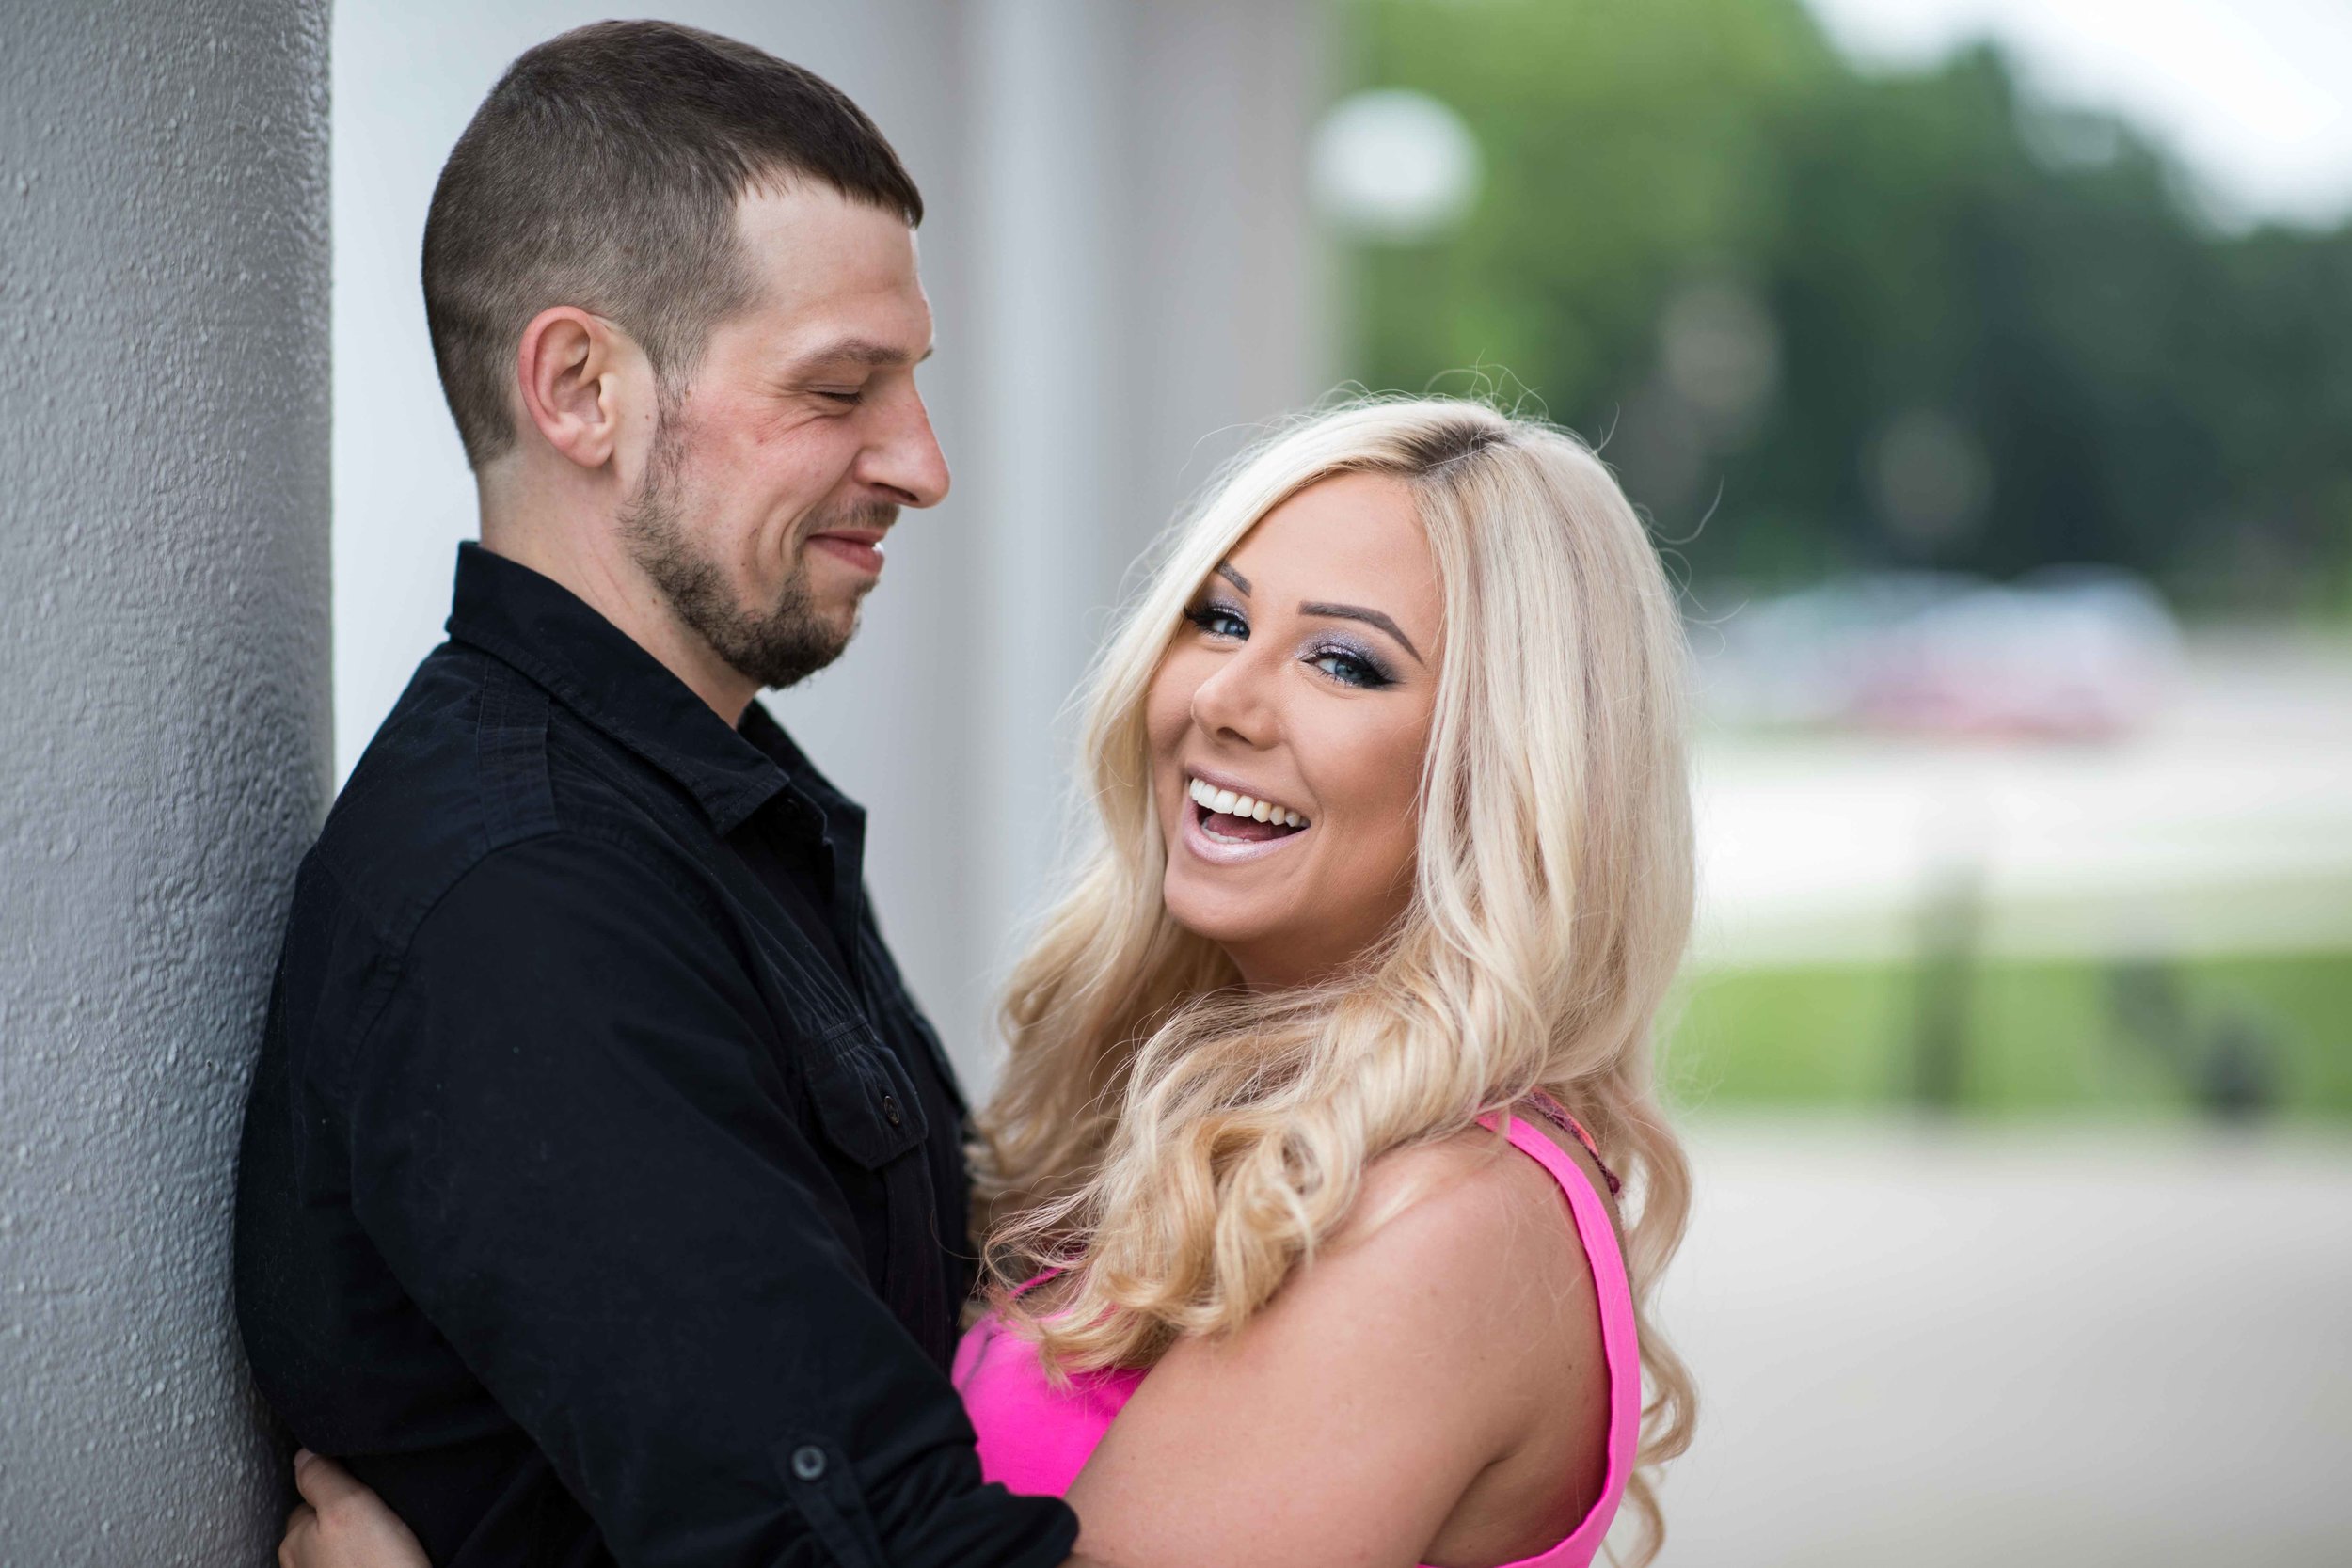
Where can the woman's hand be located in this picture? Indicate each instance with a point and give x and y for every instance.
(340, 1523)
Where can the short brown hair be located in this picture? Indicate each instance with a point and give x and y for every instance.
(603, 171)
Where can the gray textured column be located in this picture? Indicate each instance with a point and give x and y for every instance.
(164, 734)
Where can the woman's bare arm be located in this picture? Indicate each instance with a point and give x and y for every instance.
(1346, 1422)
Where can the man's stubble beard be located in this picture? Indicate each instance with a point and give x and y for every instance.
(782, 645)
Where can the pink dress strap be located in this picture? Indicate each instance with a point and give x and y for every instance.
(1558, 1115)
(1620, 1347)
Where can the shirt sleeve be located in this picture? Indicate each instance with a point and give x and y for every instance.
(571, 1145)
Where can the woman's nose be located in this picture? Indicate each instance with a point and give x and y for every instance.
(1237, 700)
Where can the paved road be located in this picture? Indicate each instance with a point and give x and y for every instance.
(2026, 1346)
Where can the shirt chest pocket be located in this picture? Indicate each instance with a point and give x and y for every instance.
(864, 1101)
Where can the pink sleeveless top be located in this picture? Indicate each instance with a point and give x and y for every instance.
(1036, 1440)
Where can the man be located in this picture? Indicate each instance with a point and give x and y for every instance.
(601, 1195)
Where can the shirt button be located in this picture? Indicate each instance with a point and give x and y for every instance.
(890, 1110)
(808, 1462)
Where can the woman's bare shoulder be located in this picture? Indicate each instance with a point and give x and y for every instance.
(1414, 1355)
(1473, 1199)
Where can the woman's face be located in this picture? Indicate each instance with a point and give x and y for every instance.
(1299, 691)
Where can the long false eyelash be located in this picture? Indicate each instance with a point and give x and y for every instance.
(1203, 614)
(1377, 671)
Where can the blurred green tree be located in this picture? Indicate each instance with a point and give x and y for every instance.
(1853, 320)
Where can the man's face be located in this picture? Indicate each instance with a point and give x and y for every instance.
(774, 478)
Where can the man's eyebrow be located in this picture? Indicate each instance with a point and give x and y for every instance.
(862, 351)
(1225, 570)
(1371, 618)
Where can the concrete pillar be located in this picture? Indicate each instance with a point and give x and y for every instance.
(1144, 287)
(1052, 378)
(163, 712)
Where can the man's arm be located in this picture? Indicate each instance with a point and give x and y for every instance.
(570, 1146)
(340, 1523)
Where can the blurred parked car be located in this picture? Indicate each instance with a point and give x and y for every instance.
(2073, 653)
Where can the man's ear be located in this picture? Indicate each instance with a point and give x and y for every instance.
(568, 365)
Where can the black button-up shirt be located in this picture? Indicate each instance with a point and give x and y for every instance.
(602, 1195)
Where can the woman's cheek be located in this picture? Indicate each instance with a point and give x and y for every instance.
(1165, 717)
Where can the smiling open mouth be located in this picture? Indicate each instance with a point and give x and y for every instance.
(1230, 817)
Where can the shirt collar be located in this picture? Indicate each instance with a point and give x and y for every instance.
(597, 669)
(843, 818)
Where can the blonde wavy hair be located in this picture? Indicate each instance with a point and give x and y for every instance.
(1177, 1145)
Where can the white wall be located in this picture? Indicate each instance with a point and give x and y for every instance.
(1117, 254)
(164, 550)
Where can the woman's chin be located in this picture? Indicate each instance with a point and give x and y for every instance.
(1221, 933)
(1213, 917)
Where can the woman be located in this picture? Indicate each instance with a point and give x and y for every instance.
(1351, 991)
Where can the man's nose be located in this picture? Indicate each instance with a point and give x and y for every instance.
(904, 455)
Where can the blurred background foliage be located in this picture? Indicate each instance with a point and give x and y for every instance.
(2235, 1038)
(1854, 339)
(1850, 320)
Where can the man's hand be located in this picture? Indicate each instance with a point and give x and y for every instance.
(340, 1523)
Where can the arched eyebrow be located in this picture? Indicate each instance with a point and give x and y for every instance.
(1225, 570)
(1370, 618)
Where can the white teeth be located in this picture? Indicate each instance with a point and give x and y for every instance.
(1233, 803)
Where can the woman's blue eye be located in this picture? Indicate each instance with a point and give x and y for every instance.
(1219, 621)
(1349, 668)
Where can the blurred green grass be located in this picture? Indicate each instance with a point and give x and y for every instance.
(2037, 1035)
